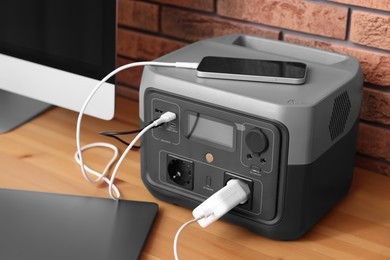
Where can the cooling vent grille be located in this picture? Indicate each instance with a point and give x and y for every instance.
(341, 109)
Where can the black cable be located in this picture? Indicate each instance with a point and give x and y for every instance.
(121, 133)
(114, 135)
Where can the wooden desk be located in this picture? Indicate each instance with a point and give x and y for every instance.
(39, 157)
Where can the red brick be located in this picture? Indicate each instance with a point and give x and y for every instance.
(375, 4)
(194, 26)
(127, 92)
(138, 14)
(374, 141)
(142, 46)
(130, 77)
(374, 165)
(376, 106)
(305, 16)
(375, 65)
(128, 81)
(370, 29)
(203, 5)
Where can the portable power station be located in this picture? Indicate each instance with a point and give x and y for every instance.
(294, 145)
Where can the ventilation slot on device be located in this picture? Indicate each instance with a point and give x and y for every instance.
(341, 109)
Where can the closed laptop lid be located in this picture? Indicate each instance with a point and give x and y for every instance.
(35, 225)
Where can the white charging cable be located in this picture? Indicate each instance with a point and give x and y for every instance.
(164, 118)
(234, 193)
(79, 156)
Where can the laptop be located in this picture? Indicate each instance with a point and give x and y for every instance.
(36, 225)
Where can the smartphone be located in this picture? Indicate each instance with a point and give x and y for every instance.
(274, 71)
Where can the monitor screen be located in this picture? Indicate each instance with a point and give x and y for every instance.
(56, 51)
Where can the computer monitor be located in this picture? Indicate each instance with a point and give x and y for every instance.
(55, 52)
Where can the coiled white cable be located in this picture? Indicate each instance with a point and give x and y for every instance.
(100, 175)
(79, 155)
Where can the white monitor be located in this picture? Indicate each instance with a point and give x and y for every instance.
(54, 52)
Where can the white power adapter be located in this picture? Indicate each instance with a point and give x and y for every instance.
(235, 192)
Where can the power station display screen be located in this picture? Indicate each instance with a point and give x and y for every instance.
(210, 130)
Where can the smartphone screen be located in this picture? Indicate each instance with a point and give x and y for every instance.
(251, 69)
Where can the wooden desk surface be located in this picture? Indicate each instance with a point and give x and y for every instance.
(39, 157)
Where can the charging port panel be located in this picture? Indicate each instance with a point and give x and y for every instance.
(247, 205)
(167, 132)
(191, 170)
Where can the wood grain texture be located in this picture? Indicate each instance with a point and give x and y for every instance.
(39, 157)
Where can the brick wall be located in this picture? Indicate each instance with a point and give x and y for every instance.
(361, 28)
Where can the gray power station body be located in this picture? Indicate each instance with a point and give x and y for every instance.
(293, 144)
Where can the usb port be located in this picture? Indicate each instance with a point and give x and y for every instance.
(171, 124)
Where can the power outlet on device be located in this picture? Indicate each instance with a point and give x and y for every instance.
(247, 205)
(180, 172)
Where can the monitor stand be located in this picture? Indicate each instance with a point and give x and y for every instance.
(16, 110)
